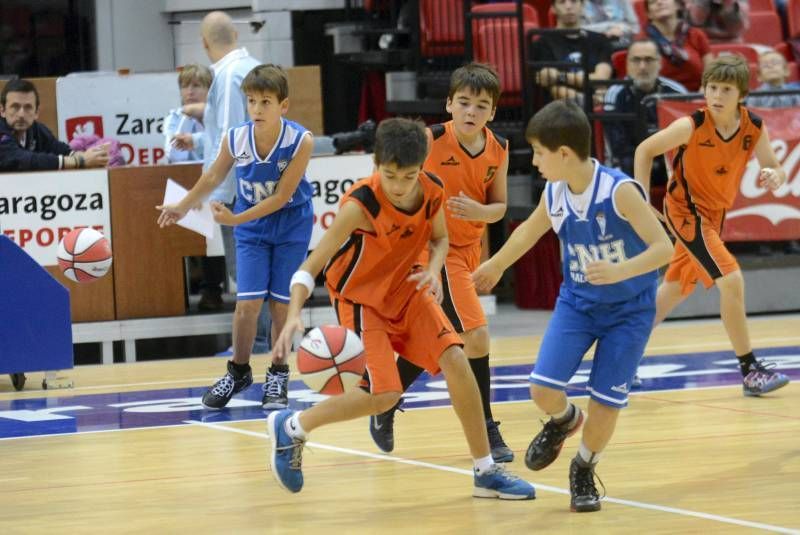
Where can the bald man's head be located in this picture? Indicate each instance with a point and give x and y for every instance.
(218, 31)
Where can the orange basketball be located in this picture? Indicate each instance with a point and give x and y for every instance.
(331, 359)
(84, 255)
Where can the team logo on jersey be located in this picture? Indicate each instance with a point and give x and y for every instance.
(395, 228)
(707, 143)
(242, 156)
(490, 173)
(601, 222)
(282, 164)
(450, 161)
(622, 389)
(557, 213)
(721, 170)
(409, 230)
(443, 332)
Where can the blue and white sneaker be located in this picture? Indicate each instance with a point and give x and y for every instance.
(287, 452)
(762, 379)
(497, 483)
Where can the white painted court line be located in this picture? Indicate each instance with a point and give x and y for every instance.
(548, 488)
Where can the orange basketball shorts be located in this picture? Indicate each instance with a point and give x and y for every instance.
(421, 333)
(700, 254)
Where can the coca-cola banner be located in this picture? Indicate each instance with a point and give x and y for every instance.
(759, 214)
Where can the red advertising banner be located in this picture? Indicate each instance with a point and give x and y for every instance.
(759, 214)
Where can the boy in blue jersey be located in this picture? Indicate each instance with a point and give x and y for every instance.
(273, 217)
(612, 245)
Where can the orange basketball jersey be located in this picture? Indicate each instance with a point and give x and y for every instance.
(371, 268)
(461, 171)
(708, 169)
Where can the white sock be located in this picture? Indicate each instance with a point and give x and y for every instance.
(293, 427)
(483, 464)
(562, 414)
(588, 456)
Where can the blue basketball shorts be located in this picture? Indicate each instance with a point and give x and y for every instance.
(267, 258)
(621, 331)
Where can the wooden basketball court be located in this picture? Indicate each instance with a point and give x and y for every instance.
(682, 460)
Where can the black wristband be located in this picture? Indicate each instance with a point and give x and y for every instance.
(81, 161)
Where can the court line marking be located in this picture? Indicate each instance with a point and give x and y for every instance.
(495, 359)
(547, 488)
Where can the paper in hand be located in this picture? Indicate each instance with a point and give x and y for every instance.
(200, 221)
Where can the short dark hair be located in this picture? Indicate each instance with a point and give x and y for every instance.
(562, 123)
(267, 79)
(400, 141)
(18, 86)
(641, 41)
(477, 77)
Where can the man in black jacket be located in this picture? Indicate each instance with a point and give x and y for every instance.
(26, 145)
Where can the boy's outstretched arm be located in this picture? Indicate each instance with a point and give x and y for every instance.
(438, 247)
(287, 185)
(463, 207)
(523, 238)
(207, 183)
(349, 218)
(773, 175)
(675, 135)
(633, 207)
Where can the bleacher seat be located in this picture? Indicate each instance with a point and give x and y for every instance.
(619, 61)
(497, 43)
(542, 8)
(640, 7)
(762, 5)
(441, 28)
(793, 14)
(765, 29)
(749, 51)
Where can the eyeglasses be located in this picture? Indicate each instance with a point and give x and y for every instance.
(645, 60)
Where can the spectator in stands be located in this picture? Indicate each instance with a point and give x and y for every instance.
(685, 50)
(622, 137)
(722, 20)
(773, 72)
(181, 129)
(563, 83)
(616, 19)
(226, 107)
(27, 145)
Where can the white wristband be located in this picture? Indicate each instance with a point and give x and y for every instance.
(304, 278)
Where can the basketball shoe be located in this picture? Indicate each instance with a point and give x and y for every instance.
(276, 389)
(287, 452)
(762, 379)
(381, 428)
(501, 453)
(497, 483)
(223, 390)
(584, 497)
(546, 446)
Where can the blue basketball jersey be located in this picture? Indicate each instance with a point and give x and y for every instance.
(258, 178)
(590, 228)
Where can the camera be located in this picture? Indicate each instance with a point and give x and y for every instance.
(363, 136)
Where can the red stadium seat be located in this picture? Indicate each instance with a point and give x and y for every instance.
(441, 27)
(619, 60)
(542, 8)
(762, 5)
(640, 6)
(497, 43)
(750, 52)
(793, 14)
(765, 29)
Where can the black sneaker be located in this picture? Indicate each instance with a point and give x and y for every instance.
(18, 381)
(381, 427)
(276, 390)
(501, 453)
(223, 390)
(583, 494)
(546, 446)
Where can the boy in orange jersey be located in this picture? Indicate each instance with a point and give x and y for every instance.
(714, 145)
(371, 257)
(472, 161)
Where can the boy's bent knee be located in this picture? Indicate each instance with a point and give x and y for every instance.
(452, 356)
(544, 394)
(733, 281)
(384, 401)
